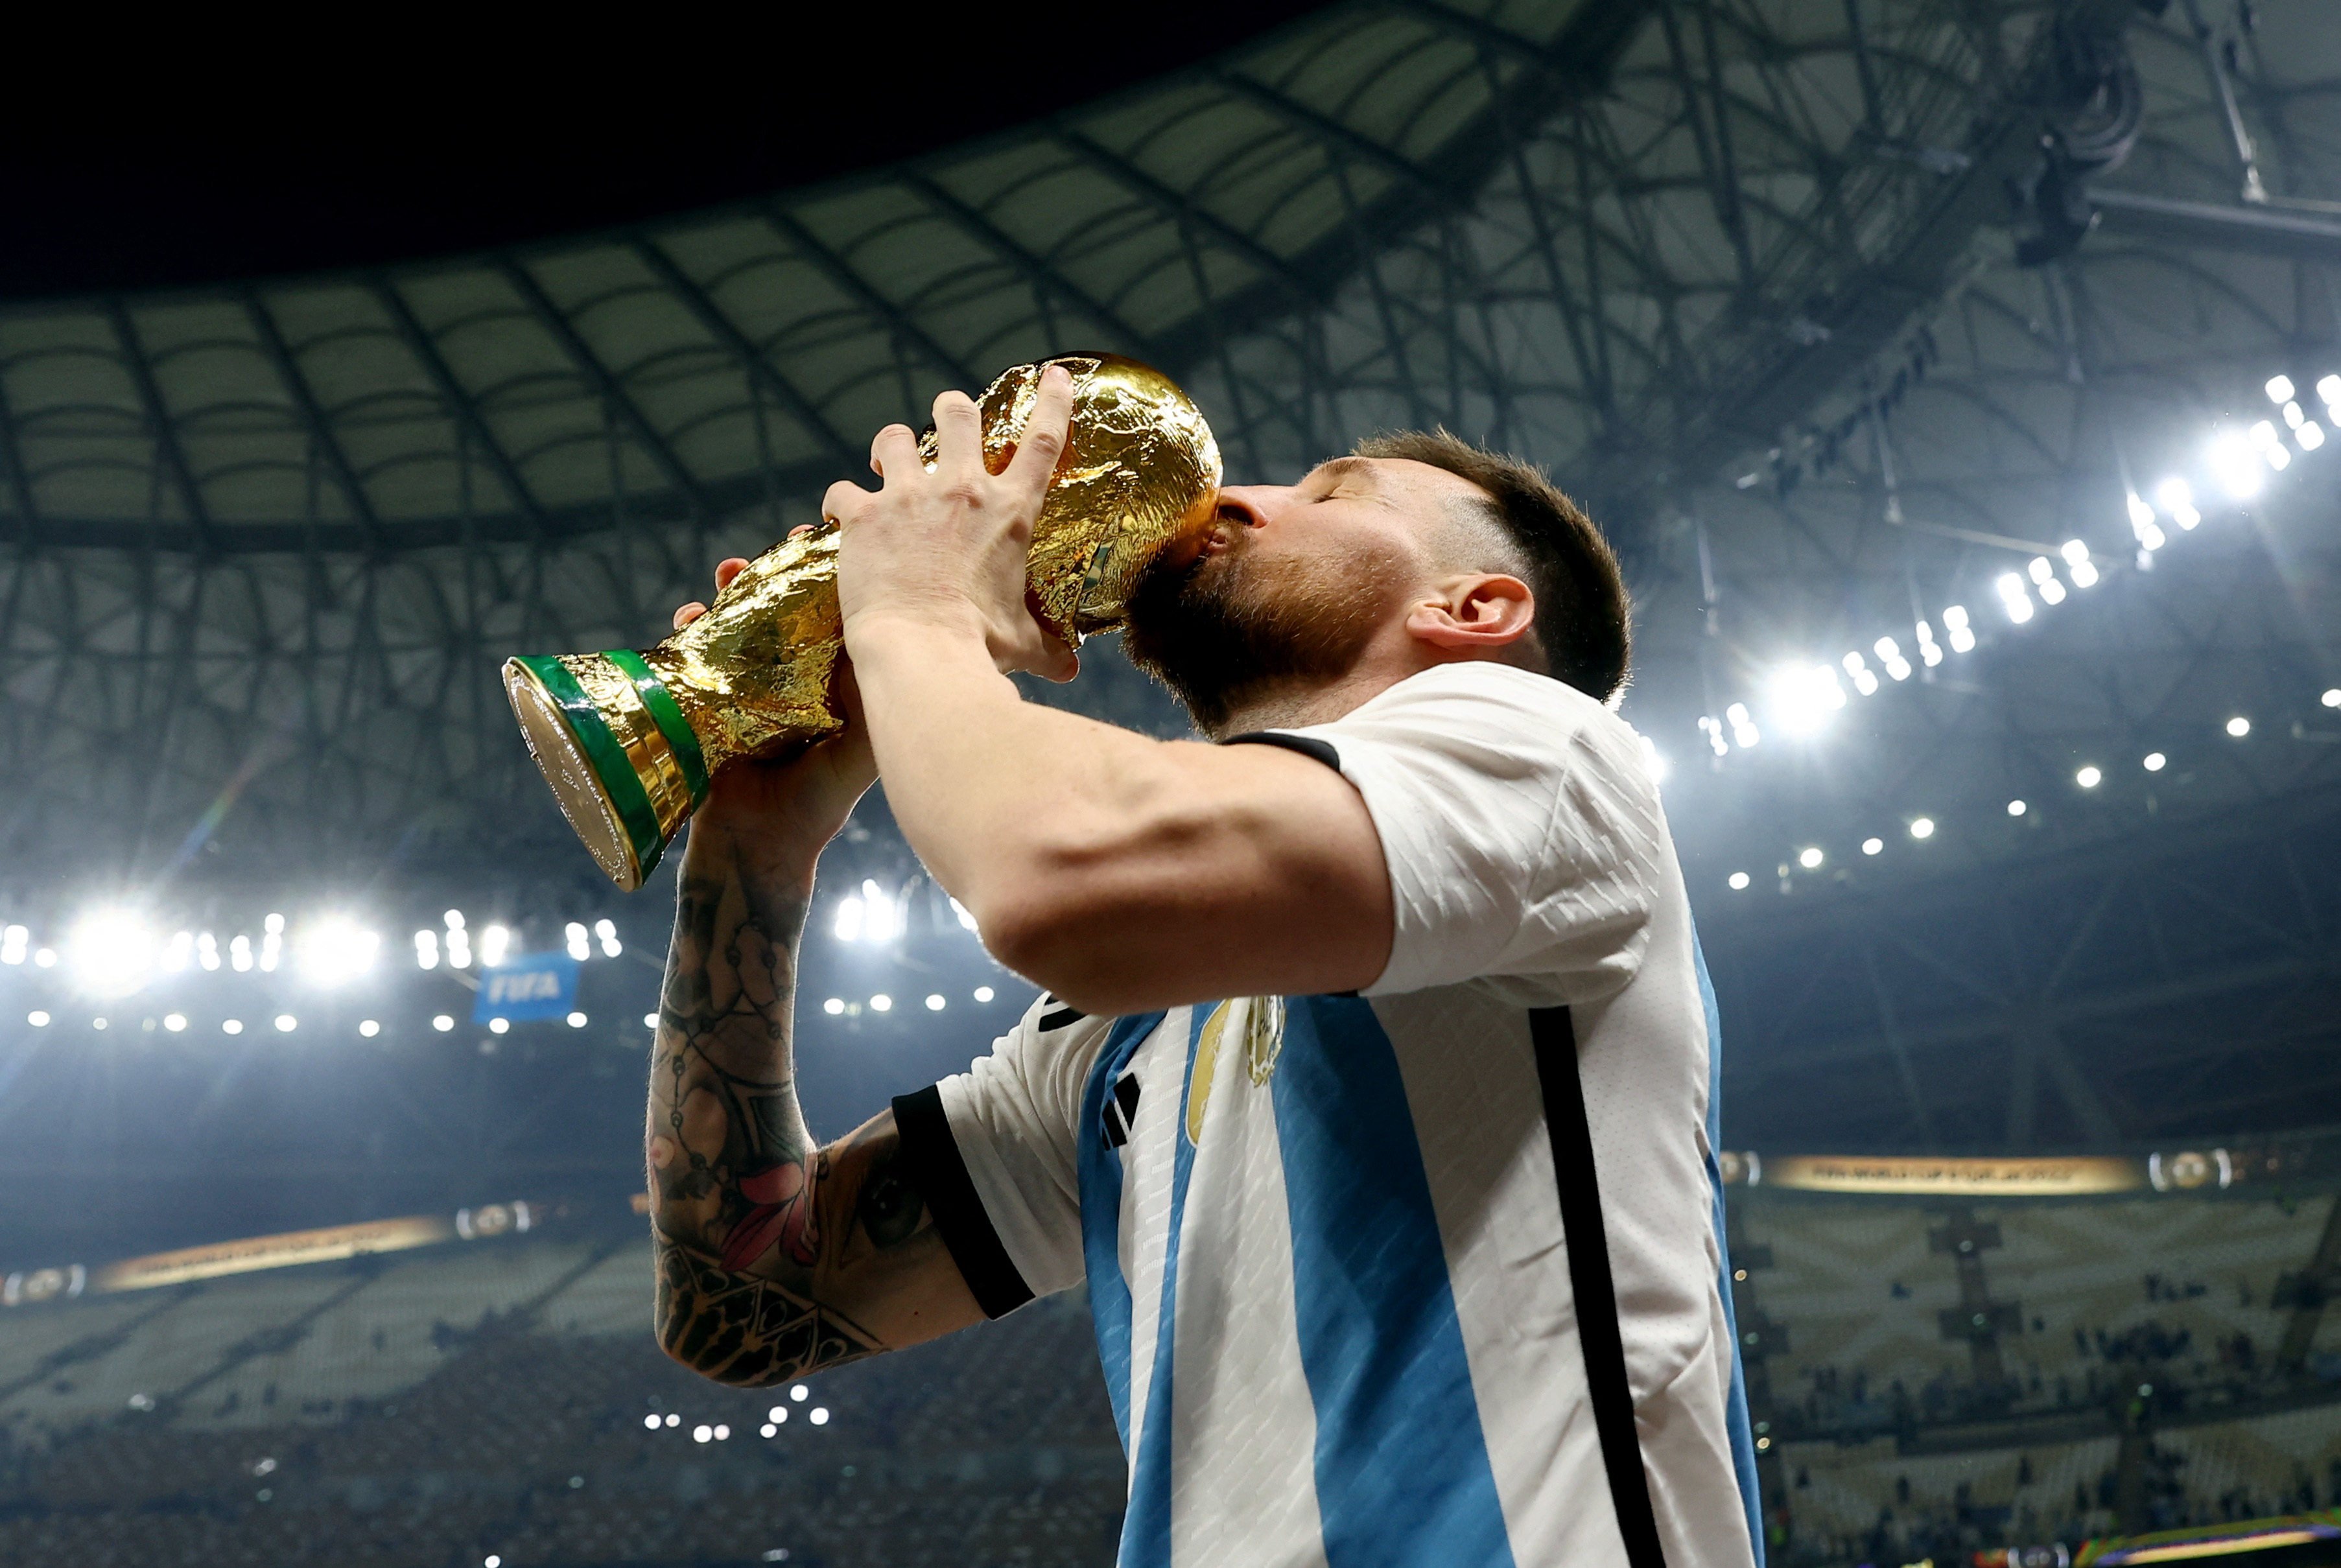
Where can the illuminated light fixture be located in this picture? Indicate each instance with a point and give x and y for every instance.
(650, 1020)
(573, 937)
(1931, 652)
(2013, 598)
(2329, 389)
(97, 1023)
(819, 1415)
(442, 1023)
(111, 953)
(2279, 389)
(2078, 565)
(207, 951)
(453, 920)
(2235, 465)
(2263, 436)
(834, 1006)
(1744, 733)
(2089, 777)
(499, 1025)
(674, 1420)
(722, 1435)
(231, 1026)
(37, 1018)
(1865, 679)
(934, 1001)
(777, 1414)
(2141, 516)
(272, 942)
(13, 943)
(1889, 653)
(2332, 698)
(2278, 458)
(1873, 846)
(1809, 858)
(1804, 695)
(179, 952)
(45, 958)
(2293, 416)
(770, 1429)
(1653, 760)
(608, 931)
(985, 993)
(964, 916)
(2156, 761)
(1922, 826)
(368, 1027)
(496, 942)
(335, 949)
(883, 917)
(1713, 730)
(175, 1022)
(1955, 623)
(847, 925)
(2016, 807)
(651, 1422)
(2239, 727)
(2052, 593)
(799, 1392)
(1736, 881)
(459, 941)
(2310, 436)
(576, 1020)
(286, 1022)
(426, 948)
(2178, 497)
(882, 1003)
(702, 1433)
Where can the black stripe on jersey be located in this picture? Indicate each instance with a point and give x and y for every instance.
(1059, 1016)
(1306, 745)
(1121, 1112)
(931, 1156)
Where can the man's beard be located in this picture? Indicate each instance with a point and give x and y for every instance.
(1224, 629)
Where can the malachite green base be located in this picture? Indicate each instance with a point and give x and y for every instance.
(610, 740)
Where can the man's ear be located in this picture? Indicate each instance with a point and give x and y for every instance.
(1487, 610)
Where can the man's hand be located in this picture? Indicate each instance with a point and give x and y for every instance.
(794, 804)
(946, 550)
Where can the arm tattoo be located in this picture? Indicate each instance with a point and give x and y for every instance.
(768, 1250)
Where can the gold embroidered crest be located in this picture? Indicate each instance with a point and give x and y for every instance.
(1263, 1041)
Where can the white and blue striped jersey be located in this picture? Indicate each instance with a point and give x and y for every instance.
(1322, 1236)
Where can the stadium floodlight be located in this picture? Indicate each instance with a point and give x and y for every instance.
(577, 1020)
(207, 951)
(2278, 458)
(2013, 598)
(14, 942)
(1865, 679)
(426, 948)
(1744, 733)
(2052, 593)
(2156, 761)
(2310, 435)
(650, 1020)
(777, 1414)
(45, 958)
(37, 1018)
(2293, 418)
(2016, 808)
(97, 1023)
(834, 1006)
(608, 931)
(882, 1003)
(453, 920)
(2237, 467)
(286, 1022)
(573, 937)
(336, 949)
(2239, 727)
(1804, 695)
(499, 1025)
(111, 953)
(650, 1423)
(2279, 389)
(178, 952)
(800, 1393)
(1736, 881)
(1811, 857)
(459, 948)
(883, 917)
(935, 1003)
(368, 1028)
(2077, 565)
(819, 1415)
(231, 1026)
(1654, 760)
(442, 1023)
(1955, 622)
(175, 1022)
(1922, 826)
(963, 915)
(2332, 698)
(492, 1561)
(723, 1433)
(702, 1432)
(496, 945)
(985, 993)
(847, 924)
(770, 1429)
(1872, 846)
(2089, 777)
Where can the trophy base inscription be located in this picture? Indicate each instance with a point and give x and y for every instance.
(623, 763)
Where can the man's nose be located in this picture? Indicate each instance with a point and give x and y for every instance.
(1251, 505)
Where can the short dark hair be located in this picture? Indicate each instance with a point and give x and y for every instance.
(1583, 617)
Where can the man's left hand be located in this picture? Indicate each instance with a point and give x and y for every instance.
(946, 549)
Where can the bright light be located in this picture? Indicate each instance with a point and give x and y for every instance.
(286, 1022)
(179, 952)
(175, 1022)
(961, 913)
(442, 1023)
(985, 993)
(2332, 698)
(798, 1392)
(2156, 761)
(426, 949)
(1809, 858)
(453, 920)
(1872, 846)
(833, 1007)
(45, 958)
(231, 1026)
(2236, 466)
(12, 944)
(2279, 389)
(576, 1020)
(2278, 458)
(37, 1018)
(2141, 516)
(2084, 574)
(1889, 653)
(2014, 598)
(2052, 593)
(499, 1025)
(111, 953)
(1736, 881)
(2329, 389)
(573, 935)
(271, 944)
(335, 949)
(777, 1413)
(495, 943)
(272, 924)
(723, 1433)
(768, 1430)
(459, 948)
(650, 1422)
(2040, 570)
(1653, 761)
(492, 1561)
(702, 1433)
(2310, 436)
(2263, 436)
(674, 1420)
(820, 1416)
(1922, 826)
(1744, 733)
(2239, 727)
(883, 917)
(2089, 777)
(207, 951)
(1804, 695)
(368, 1027)
(608, 931)
(2293, 416)
(1955, 621)
(882, 1003)
(934, 1001)
(650, 1020)
(2016, 807)
(847, 926)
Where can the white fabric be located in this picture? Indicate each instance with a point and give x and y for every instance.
(1529, 865)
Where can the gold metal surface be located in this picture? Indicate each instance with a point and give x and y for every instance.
(756, 674)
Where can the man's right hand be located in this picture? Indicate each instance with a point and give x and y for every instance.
(795, 803)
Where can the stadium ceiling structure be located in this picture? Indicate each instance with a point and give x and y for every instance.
(1835, 311)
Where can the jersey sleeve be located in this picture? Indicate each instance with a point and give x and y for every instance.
(1520, 826)
(994, 1153)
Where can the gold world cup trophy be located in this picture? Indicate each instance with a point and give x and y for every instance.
(628, 740)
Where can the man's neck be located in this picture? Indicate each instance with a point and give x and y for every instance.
(1297, 706)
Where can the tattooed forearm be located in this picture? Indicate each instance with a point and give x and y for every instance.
(774, 1257)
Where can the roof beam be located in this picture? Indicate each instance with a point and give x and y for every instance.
(2300, 234)
(312, 414)
(1036, 270)
(459, 406)
(839, 272)
(20, 484)
(158, 419)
